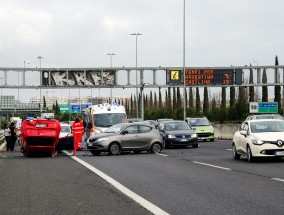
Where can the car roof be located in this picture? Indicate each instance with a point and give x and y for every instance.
(264, 120)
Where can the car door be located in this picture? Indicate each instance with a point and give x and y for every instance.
(243, 138)
(131, 138)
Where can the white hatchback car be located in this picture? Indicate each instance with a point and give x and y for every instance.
(259, 138)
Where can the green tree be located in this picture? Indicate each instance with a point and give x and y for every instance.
(160, 99)
(242, 104)
(191, 102)
(277, 89)
(251, 88)
(264, 88)
(179, 102)
(151, 100)
(197, 102)
(169, 101)
(206, 102)
(155, 101)
(44, 103)
(174, 98)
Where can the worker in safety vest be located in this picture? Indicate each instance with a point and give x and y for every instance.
(78, 130)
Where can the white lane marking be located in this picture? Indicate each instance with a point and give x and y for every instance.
(140, 200)
(278, 179)
(229, 149)
(206, 164)
(162, 154)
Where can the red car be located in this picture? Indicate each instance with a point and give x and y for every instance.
(39, 136)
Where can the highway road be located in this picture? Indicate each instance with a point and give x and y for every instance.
(205, 180)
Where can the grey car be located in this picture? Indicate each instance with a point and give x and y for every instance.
(134, 137)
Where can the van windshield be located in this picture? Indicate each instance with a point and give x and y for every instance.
(108, 119)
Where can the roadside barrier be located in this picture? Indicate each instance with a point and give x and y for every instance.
(225, 131)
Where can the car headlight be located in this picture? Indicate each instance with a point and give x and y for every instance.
(256, 141)
(102, 139)
(171, 136)
(194, 136)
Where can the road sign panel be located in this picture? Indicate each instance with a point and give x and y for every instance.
(268, 107)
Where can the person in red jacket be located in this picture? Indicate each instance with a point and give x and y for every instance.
(78, 130)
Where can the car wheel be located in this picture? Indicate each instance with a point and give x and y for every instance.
(156, 148)
(94, 152)
(236, 155)
(249, 154)
(114, 149)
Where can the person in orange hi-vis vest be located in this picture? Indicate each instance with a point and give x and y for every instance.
(78, 130)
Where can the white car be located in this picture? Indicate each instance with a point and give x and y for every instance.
(259, 138)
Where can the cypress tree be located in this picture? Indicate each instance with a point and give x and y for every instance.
(151, 100)
(206, 102)
(174, 98)
(166, 99)
(242, 104)
(160, 99)
(155, 101)
(198, 105)
(264, 88)
(178, 103)
(44, 103)
(277, 89)
(223, 102)
(191, 102)
(185, 98)
(213, 109)
(232, 96)
(131, 106)
(251, 88)
(169, 101)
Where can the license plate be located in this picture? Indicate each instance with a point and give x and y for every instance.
(203, 138)
(281, 153)
(41, 125)
(183, 140)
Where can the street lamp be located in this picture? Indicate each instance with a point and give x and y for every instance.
(136, 34)
(184, 90)
(40, 58)
(111, 54)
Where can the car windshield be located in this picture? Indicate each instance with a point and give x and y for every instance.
(175, 126)
(115, 128)
(267, 126)
(65, 129)
(109, 119)
(199, 122)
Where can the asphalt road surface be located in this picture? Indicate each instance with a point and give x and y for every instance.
(205, 180)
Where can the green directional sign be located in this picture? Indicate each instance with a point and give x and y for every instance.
(267, 107)
(64, 108)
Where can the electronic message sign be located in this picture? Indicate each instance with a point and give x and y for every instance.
(204, 77)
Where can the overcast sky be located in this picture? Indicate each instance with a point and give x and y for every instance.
(69, 33)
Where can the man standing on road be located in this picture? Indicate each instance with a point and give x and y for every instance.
(78, 130)
(13, 136)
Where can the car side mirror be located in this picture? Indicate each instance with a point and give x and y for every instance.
(243, 133)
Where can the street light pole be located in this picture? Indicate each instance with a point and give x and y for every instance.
(40, 58)
(184, 89)
(136, 34)
(111, 54)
